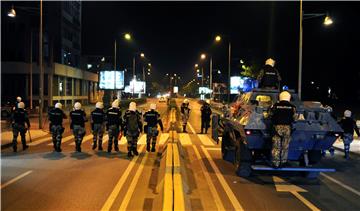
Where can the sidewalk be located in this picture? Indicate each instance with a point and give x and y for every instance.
(354, 146)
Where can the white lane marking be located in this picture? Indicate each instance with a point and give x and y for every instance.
(109, 202)
(15, 179)
(185, 139)
(205, 140)
(64, 140)
(341, 184)
(40, 141)
(163, 138)
(131, 189)
(191, 128)
(212, 187)
(283, 186)
(85, 139)
(222, 181)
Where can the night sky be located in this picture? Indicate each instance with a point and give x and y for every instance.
(174, 34)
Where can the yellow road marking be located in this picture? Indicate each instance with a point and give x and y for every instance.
(123, 141)
(222, 181)
(306, 202)
(211, 185)
(168, 182)
(109, 202)
(66, 139)
(105, 139)
(185, 139)
(179, 202)
(142, 139)
(163, 138)
(40, 141)
(15, 179)
(213, 149)
(130, 191)
(191, 128)
(85, 139)
(205, 140)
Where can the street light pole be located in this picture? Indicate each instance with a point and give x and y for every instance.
(202, 76)
(300, 50)
(211, 70)
(229, 71)
(41, 81)
(31, 72)
(115, 54)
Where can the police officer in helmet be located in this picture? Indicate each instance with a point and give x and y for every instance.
(205, 116)
(97, 124)
(18, 119)
(152, 118)
(132, 128)
(269, 76)
(56, 116)
(114, 125)
(282, 115)
(78, 119)
(185, 113)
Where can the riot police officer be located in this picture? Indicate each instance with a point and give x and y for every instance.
(18, 119)
(113, 125)
(56, 116)
(152, 118)
(185, 113)
(269, 76)
(78, 119)
(205, 116)
(282, 115)
(132, 128)
(348, 124)
(97, 124)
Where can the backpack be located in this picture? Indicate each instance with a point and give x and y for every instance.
(132, 124)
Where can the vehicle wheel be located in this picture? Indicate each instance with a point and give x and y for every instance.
(314, 156)
(227, 145)
(243, 159)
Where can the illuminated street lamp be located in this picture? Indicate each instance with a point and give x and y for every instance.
(327, 21)
(127, 36)
(203, 56)
(218, 38)
(12, 12)
(142, 55)
(196, 65)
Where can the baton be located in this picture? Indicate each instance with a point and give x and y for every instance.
(29, 135)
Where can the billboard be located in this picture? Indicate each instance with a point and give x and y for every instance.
(219, 88)
(111, 79)
(176, 89)
(137, 87)
(204, 90)
(242, 84)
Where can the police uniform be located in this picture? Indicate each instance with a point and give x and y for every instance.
(97, 126)
(114, 124)
(132, 135)
(56, 116)
(282, 115)
(348, 125)
(205, 117)
(78, 119)
(269, 77)
(19, 118)
(152, 118)
(185, 114)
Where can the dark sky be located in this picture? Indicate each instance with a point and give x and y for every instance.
(173, 34)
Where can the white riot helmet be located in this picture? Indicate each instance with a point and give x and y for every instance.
(208, 101)
(115, 104)
(285, 96)
(270, 62)
(186, 101)
(18, 99)
(58, 105)
(152, 106)
(132, 106)
(77, 106)
(21, 105)
(347, 113)
(99, 105)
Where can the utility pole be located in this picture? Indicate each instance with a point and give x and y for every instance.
(229, 72)
(41, 81)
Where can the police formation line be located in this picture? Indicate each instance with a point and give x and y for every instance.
(130, 124)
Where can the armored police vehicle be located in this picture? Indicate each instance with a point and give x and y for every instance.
(247, 134)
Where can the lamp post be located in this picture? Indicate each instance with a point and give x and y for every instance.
(327, 21)
(218, 39)
(127, 37)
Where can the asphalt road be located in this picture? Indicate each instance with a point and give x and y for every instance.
(186, 173)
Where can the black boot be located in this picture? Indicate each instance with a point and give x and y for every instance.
(184, 129)
(116, 148)
(25, 147)
(15, 148)
(94, 145)
(78, 148)
(130, 154)
(100, 145)
(135, 151)
(148, 147)
(153, 148)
